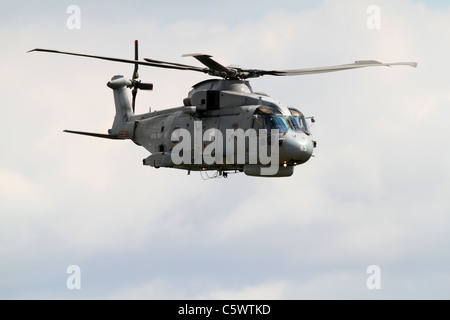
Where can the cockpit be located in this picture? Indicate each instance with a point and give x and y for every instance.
(272, 118)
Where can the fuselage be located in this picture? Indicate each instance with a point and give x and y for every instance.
(224, 126)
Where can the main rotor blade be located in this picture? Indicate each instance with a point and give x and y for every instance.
(167, 65)
(212, 64)
(171, 63)
(216, 69)
(357, 64)
(207, 61)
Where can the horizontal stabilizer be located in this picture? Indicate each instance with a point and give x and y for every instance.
(97, 135)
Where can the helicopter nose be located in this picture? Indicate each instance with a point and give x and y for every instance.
(297, 149)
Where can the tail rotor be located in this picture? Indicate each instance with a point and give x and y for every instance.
(135, 83)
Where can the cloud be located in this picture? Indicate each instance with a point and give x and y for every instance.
(163, 289)
(376, 192)
(265, 291)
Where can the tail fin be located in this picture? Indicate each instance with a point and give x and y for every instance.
(120, 127)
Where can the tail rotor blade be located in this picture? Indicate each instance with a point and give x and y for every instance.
(136, 84)
(136, 57)
(144, 86)
(134, 93)
(135, 74)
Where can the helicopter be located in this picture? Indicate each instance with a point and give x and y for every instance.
(223, 125)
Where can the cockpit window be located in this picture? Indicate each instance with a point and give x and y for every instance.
(273, 119)
(281, 123)
(299, 122)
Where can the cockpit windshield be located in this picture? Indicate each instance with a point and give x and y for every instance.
(299, 122)
(282, 123)
(273, 119)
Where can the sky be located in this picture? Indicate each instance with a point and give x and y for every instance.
(375, 194)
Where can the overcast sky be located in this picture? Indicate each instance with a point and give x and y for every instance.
(376, 192)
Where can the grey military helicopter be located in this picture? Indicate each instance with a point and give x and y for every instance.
(223, 125)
